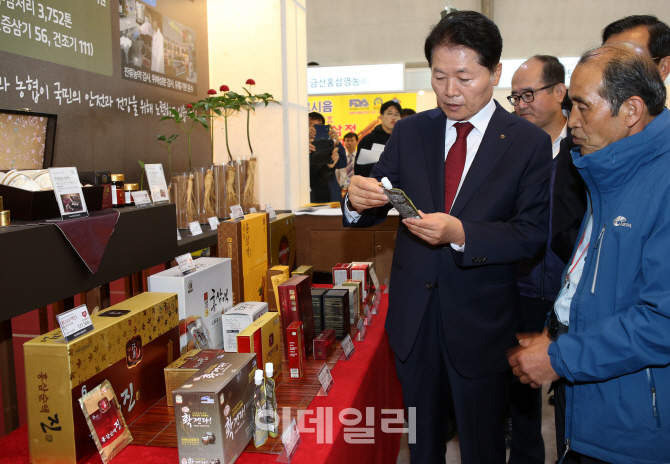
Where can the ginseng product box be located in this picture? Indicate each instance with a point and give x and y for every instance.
(132, 342)
(359, 286)
(262, 338)
(295, 340)
(272, 299)
(295, 297)
(206, 293)
(317, 307)
(238, 319)
(336, 312)
(361, 271)
(304, 270)
(214, 411)
(354, 302)
(341, 272)
(183, 368)
(282, 241)
(324, 344)
(246, 243)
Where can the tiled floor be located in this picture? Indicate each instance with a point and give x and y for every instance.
(454, 454)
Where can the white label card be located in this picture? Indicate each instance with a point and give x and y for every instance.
(178, 235)
(186, 264)
(325, 378)
(271, 211)
(195, 228)
(348, 347)
(252, 210)
(213, 222)
(69, 196)
(236, 212)
(157, 185)
(291, 440)
(368, 316)
(141, 198)
(362, 331)
(75, 322)
(373, 276)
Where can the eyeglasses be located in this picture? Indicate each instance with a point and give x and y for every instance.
(393, 115)
(527, 96)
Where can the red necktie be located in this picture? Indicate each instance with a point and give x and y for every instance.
(453, 166)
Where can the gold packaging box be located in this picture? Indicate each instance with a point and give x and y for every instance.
(304, 270)
(272, 297)
(179, 371)
(283, 241)
(132, 342)
(262, 338)
(246, 243)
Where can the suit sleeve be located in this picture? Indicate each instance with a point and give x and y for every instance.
(524, 233)
(635, 337)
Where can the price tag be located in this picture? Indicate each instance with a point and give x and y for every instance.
(348, 347)
(69, 196)
(195, 228)
(271, 211)
(75, 322)
(236, 212)
(326, 379)
(157, 185)
(178, 235)
(374, 278)
(368, 316)
(141, 199)
(252, 210)
(186, 264)
(362, 331)
(291, 440)
(213, 222)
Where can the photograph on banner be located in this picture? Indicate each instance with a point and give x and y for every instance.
(356, 113)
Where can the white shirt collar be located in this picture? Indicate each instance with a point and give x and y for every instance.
(480, 120)
(556, 145)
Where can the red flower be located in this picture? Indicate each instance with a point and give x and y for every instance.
(224, 88)
(211, 92)
(189, 106)
(251, 82)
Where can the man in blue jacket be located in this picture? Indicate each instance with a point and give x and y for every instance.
(608, 333)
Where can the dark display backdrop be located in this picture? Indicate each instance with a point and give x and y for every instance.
(107, 122)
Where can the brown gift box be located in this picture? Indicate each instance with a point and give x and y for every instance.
(132, 342)
(191, 362)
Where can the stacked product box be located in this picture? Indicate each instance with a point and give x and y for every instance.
(295, 297)
(214, 410)
(132, 342)
(263, 338)
(336, 312)
(295, 341)
(354, 301)
(305, 270)
(317, 305)
(184, 367)
(246, 243)
(361, 271)
(282, 271)
(205, 294)
(282, 241)
(341, 272)
(359, 290)
(324, 344)
(238, 319)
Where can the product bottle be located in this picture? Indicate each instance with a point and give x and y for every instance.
(261, 430)
(271, 399)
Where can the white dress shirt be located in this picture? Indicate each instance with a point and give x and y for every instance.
(556, 146)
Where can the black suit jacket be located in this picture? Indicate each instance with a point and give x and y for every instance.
(503, 205)
(569, 202)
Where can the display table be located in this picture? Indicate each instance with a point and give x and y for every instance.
(367, 380)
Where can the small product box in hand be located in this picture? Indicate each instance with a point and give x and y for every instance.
(361, 271)
(262, 338)
(336, 312)
(206, 293)
(238, 319)
(214, 410)
(354, 302)
(295, 340)
(324, 344)
(317, 305)
(246, 243)
(183, 368)
(341, 272)
(295, 297)
(272, 298)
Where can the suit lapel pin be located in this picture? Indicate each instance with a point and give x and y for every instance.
(502, 136)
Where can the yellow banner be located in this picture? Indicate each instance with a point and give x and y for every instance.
(356, 113)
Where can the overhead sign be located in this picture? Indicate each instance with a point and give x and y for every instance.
(371, 78)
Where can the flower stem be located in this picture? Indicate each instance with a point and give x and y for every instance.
(248, 138)
(230, 157)
(211, 133)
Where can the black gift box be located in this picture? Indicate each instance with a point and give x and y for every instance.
(31, 206)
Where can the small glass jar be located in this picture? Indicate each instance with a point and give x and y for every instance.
(5, 219)
(118, 195)
(127, 188)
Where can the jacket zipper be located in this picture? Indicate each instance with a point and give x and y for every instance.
(567, 448)
(652, 386)
(597, 247)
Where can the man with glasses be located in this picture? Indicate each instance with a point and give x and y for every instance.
(538, 89)
(646, 32)
(390, 114)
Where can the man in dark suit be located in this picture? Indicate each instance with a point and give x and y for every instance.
(453, 307)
